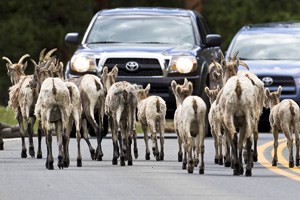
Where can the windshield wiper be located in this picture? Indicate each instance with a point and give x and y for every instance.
(103, 42)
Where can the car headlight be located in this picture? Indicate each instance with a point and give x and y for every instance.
(183, 64)
(82, 63)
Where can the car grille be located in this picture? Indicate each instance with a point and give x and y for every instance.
(287, 82)
(147, 66)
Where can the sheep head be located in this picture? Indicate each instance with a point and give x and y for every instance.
(212, 94)
(109, 78)
(143, 93)
(16, 70)
(272, 98)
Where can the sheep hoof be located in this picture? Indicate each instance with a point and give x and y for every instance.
(255, 159)
(66, 163)
(291, 164)
(1, 146)
(136, 154)
(39, 155)
(248, 172)
(147, 157)
(227, 164)
(274, 163)
(190, 169)
(79, 163)
(201, 171)
(122, 162)
(179, 157)
(31, 152)
(49, 165)
(99, 158)
(220, 161)
(196, 162)
(183, 165)
(157, 157)
(114, 161)
(236, 172)
(297, 162)
(161, 157)
(93, 155)
(129, 162)
(24, 153)
(216, 161)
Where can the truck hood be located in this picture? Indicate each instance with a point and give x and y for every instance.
(165, 49)
(274, 67)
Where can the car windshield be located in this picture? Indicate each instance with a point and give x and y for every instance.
(142, 29)
(268, 46)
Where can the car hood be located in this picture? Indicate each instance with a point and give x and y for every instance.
(165, 49)
(274, 67)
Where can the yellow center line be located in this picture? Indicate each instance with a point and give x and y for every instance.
(282, 160)
(267, 164)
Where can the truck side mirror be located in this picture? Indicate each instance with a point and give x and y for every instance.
(213, 40)
(72, 38)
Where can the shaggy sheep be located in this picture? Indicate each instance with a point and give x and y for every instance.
(152, 113)
(284, 116)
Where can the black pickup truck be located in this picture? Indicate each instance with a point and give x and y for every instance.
(149, 45)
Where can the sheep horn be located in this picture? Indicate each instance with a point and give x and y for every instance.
(42, 53)
(223, 61)
(7, 59)
(47, 56)
(185, 83)
(216, 64)
(244, 64)
(22, 58)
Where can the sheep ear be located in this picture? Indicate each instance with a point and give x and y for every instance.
(178, 89)
(115, 71)
(267, 92)
(173, 85)
(207, 91)
(190, 86)
(279, 90)
(105, 70)
(185, 82)
(147, 88)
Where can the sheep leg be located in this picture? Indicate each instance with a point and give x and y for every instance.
(29, 131)
(202, 148)
(227, 157)
(86, 138)
(144, 128)
(162, 140)
(22, 131)
(216, 145)
(289, 144)
(58, 129)
(179, 147)
(129, 143)
(185, 149)
(66, 160)
(250, 157)
(40, 135)
(122, 156)
(49, 160)
(154, 140)
(297, 147)
(114, 137)
(275, 136)
(255, 136)
(1, 142)
(190, 167)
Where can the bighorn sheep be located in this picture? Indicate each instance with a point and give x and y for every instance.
(53, 106)
(237, 107)
(190, 126)
(284, 116)
(152, 112)
(120, 107)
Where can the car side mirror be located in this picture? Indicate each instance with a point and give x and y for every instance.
(213, 40)
(72, 38)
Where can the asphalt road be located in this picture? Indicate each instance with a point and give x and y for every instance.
(29, 179)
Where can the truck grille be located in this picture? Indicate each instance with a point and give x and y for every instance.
(147, 66)
(287, 82)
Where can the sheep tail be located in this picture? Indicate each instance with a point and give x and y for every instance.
(98, 86)
(125, 95)
(195, 107)
(238, 89)
(70, 93)
(54, 90)
(157, 105)
(292, 109)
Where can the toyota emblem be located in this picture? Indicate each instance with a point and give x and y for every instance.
(132, 66)
(267, 80)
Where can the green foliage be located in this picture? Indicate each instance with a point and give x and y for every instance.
(227, 17)
(7, 116)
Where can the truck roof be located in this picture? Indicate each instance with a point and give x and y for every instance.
(145, 11)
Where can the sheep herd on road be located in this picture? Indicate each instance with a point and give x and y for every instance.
(236, 105)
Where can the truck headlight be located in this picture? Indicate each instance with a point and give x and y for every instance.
(82, 63)
(183, 64)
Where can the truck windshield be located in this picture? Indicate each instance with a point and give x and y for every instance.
(142, 29)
